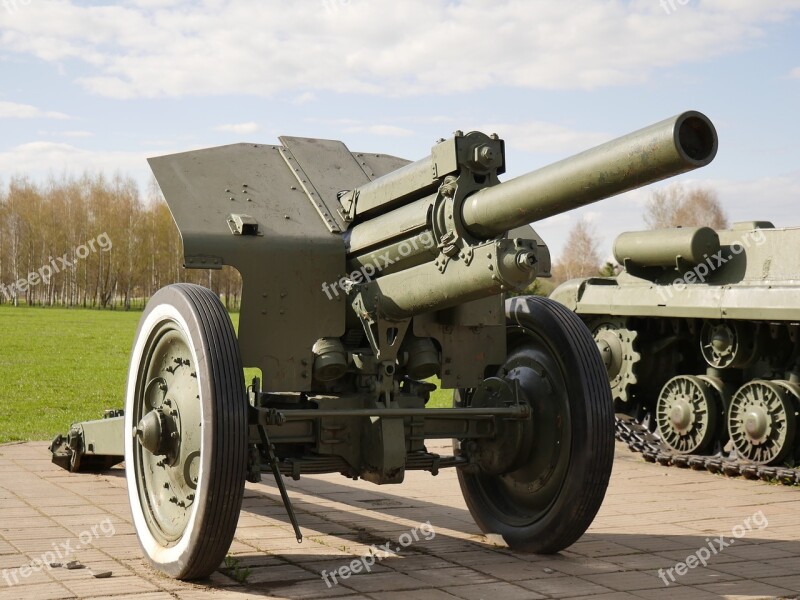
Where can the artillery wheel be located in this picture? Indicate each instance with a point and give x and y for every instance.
(688, 412)
(762, 420)
(557, 482)
(186, 418)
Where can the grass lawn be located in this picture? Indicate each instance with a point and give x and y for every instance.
(58, 366)
(440, 398)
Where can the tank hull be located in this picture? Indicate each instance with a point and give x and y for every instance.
(705, 352)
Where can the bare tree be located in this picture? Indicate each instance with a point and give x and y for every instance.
(678, 206)
(44, 225)
(581, 256)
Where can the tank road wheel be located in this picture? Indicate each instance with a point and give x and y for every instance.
(548, 486)
(688, 412)
(186, 418)
(762, 420)
(728, 345)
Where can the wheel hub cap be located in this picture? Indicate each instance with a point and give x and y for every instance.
(756, 423)
(606, 353)
(153, 433)
(681, 416)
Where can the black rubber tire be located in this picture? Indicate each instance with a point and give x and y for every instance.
(586, 475)
(209, 332)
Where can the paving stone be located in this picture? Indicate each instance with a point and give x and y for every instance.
(24, 575)
(144, 596)
(418, 595)
(639, 530)
(274, 573)
(516, 570)
(42, 591)
(749, 589)
(87, 586)
(412, 562)
(51, 532)
(452, 576)
(707, 575)
(564, 587)
(761, 552)
(506, 591)
(383, 582)
(600, 548)
(579, 565)
(627, 581)
(756, 569)
(299, 590)
(670, 593)
(611, 596)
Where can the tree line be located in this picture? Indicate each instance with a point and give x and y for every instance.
(93, 241)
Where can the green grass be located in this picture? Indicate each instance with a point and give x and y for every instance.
(440, 398)
(59, 366)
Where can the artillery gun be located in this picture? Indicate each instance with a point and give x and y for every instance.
(364, 275)
(700, 335)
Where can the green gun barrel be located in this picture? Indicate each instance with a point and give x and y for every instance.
(673, 146)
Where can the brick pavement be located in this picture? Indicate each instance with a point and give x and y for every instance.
(652, 518)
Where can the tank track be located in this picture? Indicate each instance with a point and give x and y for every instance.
(640, 440)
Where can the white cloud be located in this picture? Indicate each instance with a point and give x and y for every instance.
(238, 128)
(156, 3)
(539, 136)
(382, 130)
(155, 48)
(773, 198)
(39, 160)
(795, 74)
(14, 110)
(592, 216)
(68, 134)
(305, 97)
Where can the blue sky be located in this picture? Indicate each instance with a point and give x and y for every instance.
(102, 86)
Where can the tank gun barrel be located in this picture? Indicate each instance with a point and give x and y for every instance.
(676, 145)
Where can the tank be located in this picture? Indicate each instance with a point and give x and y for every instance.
(364, 276)
(700, 336)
